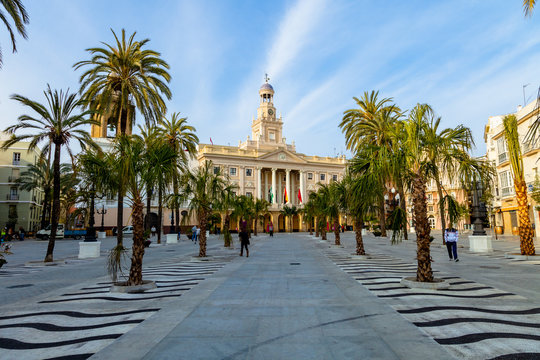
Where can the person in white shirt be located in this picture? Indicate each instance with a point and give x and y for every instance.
(451, 237)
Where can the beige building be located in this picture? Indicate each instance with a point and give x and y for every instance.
(265, 166)
(26, 205)
(504, 207)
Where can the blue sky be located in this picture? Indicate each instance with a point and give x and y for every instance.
(468, 59)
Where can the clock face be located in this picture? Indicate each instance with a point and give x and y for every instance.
(270, 112)
(282, 156)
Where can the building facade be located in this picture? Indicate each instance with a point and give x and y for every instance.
(504, 206)
(265, 166)
(17, 207)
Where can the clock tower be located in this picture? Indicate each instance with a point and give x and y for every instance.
(267, 128)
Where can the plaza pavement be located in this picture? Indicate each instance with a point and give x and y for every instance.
(295, 297)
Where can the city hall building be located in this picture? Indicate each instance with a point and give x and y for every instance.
(265, 166)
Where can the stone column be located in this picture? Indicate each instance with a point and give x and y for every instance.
(274, 186)
(302, 185)
(288, 184)
(259, 183)
(241, 180)
(279, 190)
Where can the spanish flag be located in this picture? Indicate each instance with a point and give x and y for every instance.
(286, 197)
(299, 196)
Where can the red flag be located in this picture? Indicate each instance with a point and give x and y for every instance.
(211, 142)
(286, 198)
(299, 196)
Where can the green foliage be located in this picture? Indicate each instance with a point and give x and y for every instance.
(536, 191)
(116, 261)
(15, 10)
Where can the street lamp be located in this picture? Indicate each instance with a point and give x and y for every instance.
(102, 213)
(91, 231)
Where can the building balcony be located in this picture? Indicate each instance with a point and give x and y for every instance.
(13, 179)
(507, 191)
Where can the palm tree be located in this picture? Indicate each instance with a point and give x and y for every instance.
(442, 147)
(164, 159)
(202, 189)
(224, 204)
(528, 7)
(244, 210)
(363, 191)
(259, 209)
(516, 162)
(182, 139)
(336, 204)
(288, 213)
(373, 123)
(39, 176)
(120, 75)
(308, 214)
(58, 124)
(16, 11)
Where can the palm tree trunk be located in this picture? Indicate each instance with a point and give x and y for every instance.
(226, 229)
(56, 202)
(160, 214)
(135, 272)
(402, 205)
(424, 273)
(526, 242)
(202, 240)
(176, 207)
(323, 229)
(382, 217)
(255, 226)
(317, 226)
(120, 214)
(358, 225)
(149, 192)
(441, 207)
(336, 231)
(45, 207)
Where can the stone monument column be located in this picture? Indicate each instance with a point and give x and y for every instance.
(274, 186)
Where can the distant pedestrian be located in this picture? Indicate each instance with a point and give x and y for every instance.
(22, 233)
(198, 234)
(451, 237)
(153, 230)
(194, 233)
(271, 229)
(244, 239)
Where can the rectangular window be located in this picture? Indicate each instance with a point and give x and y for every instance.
(272, 135)
(232, 171)
(507, 183)
(216, 170)
(16, 158)
(430, 208)
(334, 177)
(310, 176)
(249, 172)
(502, 150)
(323, 177)
(249, 194)
(430, 197)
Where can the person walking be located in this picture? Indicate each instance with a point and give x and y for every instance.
(22, 233)
(194, 233)
(271, 229)
(244, 239)
(198, 234)
(153, 230)
(451, 237)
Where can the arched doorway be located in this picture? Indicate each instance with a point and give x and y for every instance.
(281, 223)
(296, 223)
(151, 219)
(267, 221)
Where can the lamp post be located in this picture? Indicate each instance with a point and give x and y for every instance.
(91, 231)
(478, 229)
(102, 213)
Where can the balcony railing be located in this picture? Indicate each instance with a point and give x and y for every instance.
(16, 162)
(13, 179)
(12, 196)
(503, 157)
(529, 146)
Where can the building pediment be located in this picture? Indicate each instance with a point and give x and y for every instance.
(282, 155)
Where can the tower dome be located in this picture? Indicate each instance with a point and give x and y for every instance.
(267, 86)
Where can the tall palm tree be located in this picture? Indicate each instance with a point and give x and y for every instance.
(182, 139)
(202, 189)
(373, 123)
(260, 207)
(336, 205)
(308, 214)
(288, 213)
(244, 210)
(15, 10)
(442, 146)
(516, 162)
(59, 124)
(164, 159)
(224, 205)
(39, 176)
(116, 77)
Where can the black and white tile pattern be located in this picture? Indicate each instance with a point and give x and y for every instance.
(462, 318)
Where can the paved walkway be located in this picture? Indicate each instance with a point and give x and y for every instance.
(296, 297)
(286, 301)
